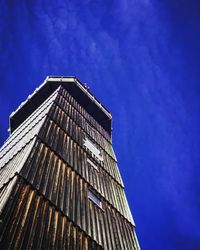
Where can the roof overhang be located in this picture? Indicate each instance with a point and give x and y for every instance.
(75, 88)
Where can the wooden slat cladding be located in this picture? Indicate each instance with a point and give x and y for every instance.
(8, 170)
(28, 133)
(100, 181)
(76, 157)
(82, 111)
(67, 191)
(84, 123)
(5, 192)
(27, 125)
(60, 114)
(20, 142)
(56, 192)
(62, 142)
(29, 221)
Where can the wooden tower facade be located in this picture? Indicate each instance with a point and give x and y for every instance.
(60, 187)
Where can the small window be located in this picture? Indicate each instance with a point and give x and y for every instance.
(94, 198)
(92, 147)
(92, 164)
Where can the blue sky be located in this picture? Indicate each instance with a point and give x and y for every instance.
(141, 59)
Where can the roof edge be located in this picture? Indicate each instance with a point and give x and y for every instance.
(66, 79)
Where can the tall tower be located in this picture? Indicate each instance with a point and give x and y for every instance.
(60, 187)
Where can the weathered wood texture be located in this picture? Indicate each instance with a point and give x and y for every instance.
(67, 190)
(16, 148)
(75, 155)
(29, 221)
(45, 179)
(82, 111)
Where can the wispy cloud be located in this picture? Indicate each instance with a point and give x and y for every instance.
(141, 59)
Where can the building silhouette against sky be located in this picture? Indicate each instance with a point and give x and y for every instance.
(60, 187)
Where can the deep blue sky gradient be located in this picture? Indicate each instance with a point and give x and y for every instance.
(141, 60)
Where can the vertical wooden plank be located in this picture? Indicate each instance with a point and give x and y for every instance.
(83, 205)
(34, 219)
(75, 158)
(49, 186)
(64, 239)
(78, 201)
(54, 230)
(68, 191)
(62, 188)
(40, 170)
(19, 228)
(38, 157)
(58, 183)
(87, 211)
(111, 238)
(37, 242)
